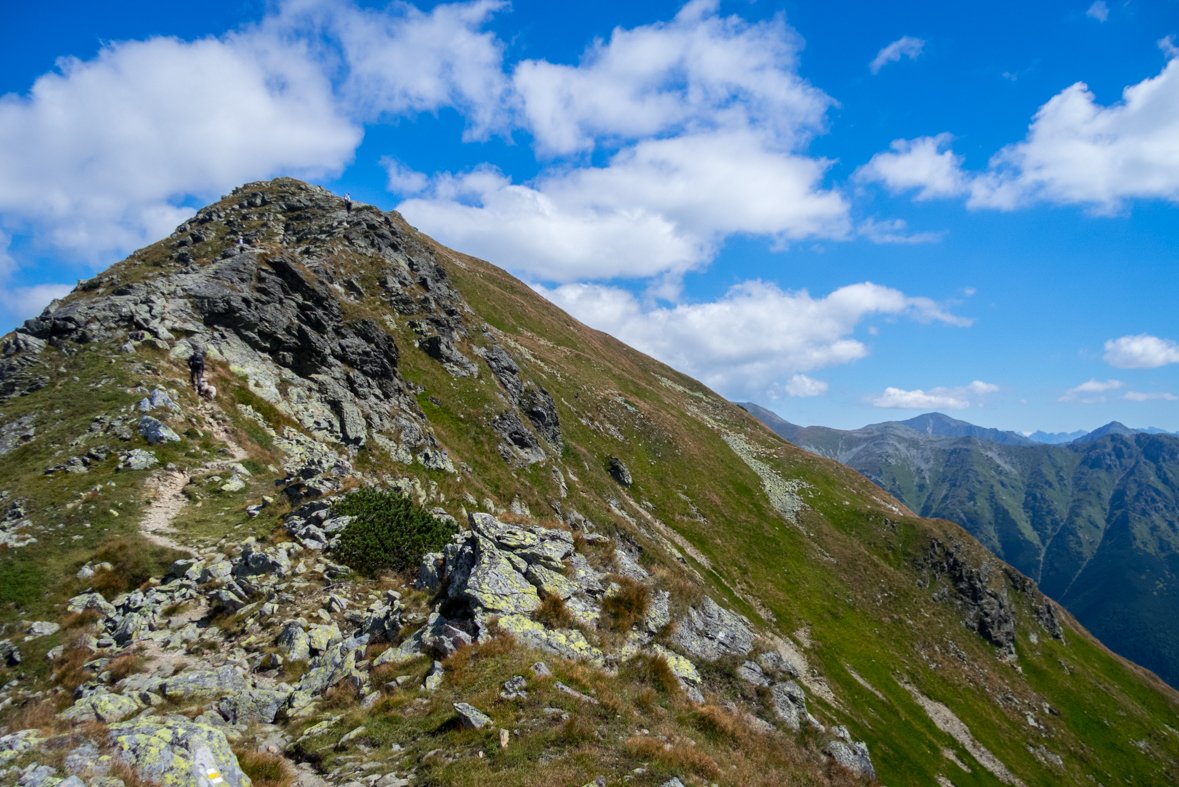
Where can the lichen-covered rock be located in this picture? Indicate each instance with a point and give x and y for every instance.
(294, 642)
(103, 707)
(17, 743)
(569, 643)
(790, 704)
(549, 582)
(138, 459)
(851, 754)
(494, 584)
(205, 684)
(156, 432)
(408, 650)
(255, 705)
(710, 632)
(471, 717)
(41, 628)
(172, 751)
(320, 638)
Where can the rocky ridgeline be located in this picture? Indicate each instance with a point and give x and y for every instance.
(291, 605)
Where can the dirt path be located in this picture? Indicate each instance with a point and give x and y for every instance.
(169, 499)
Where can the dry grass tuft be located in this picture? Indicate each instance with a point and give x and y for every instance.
(677, 757)
(626, 607)
(552, 613)
(654, 671)
(125, 665)
(264, 769)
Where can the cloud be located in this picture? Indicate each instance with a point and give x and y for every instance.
(106, 154)
(401, 61)
(659, 206)
(894, 231)
(1092, 391)
(705, 115)
(1099, 11)
(754, 336)
(698, 71)
(925, 163)
(402, 179)
(1140, 352)
(802, 386)
(937, 398)
(1076, 152)
(22, 303)
(906, 46)
(1135, 396)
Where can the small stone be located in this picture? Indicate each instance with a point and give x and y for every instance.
(504, 737)
(540, 669)
(471, 717)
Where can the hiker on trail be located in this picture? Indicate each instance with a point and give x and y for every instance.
(196, 370)
(348, 203)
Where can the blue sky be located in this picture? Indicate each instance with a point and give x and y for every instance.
(849, 212)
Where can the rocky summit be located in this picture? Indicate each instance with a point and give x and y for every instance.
(420, 527)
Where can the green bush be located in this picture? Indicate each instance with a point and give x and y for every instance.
(387, 531)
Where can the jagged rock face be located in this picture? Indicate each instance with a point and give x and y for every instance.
(989, 610)
(276, 306)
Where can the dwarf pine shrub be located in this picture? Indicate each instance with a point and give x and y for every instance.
(387, 531)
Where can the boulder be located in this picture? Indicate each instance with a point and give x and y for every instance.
(294, 642)
(619, 471)
(138, 459)
(710, 632)
(790, 704)
(471, 717)
(852, 755)
(103, 707)
(205, 684)
(172, 750)
(156, 432)
(254, 705)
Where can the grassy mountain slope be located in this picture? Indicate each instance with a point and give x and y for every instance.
(1095, 523)
(907, 631)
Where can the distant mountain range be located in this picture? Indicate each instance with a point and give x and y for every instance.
(1094, 522)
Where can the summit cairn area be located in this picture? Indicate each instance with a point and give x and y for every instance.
(429, 529)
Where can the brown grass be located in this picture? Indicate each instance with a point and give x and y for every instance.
(264, 769)
(677, 757)
(628, 606)
(653, 671)
(342, 696)
(34, 715)
(552, 613)
(125, 665)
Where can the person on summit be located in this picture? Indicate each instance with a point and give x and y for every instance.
(348, 203)
(196, 370)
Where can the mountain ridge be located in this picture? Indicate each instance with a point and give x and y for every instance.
(1099, 512)
(644, 584)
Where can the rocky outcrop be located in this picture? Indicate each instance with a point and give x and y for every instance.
(989, 610)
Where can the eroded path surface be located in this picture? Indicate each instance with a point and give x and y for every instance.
(169, 499)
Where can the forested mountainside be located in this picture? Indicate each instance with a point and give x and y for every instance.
(1095, 523)
(431, 530)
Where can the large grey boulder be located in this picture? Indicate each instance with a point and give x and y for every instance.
(471, 717)
(172, 750)
(156, 432)
(205, 684)
(790, 704)
(255, 705)
(852, 755)
(710, 632)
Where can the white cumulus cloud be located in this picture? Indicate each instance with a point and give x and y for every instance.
(1136, 396)
(1099, 11)
(802, 386)
(103, 155)
(958, 398)
(926, 164)
(699, 70)
(659, 206)
(754, 338)
(1076, 152)
(1140, 352)
(1092, 392)
(906, 46)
